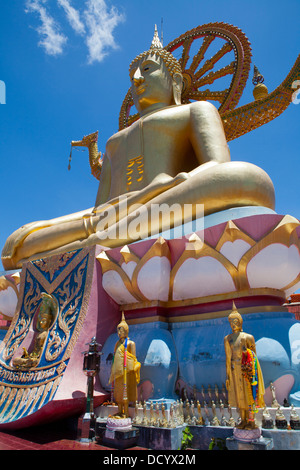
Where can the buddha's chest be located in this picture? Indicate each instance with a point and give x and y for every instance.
(156, 135)
(151, 146)
(238, 344)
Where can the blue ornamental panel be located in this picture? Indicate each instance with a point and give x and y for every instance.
(32, 358)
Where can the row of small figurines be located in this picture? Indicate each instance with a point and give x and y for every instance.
(180, 413)
(208, 395)
(188, 413)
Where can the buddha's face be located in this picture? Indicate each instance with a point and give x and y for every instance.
(235, 323)
(121, 332)
(45, 321)
(151, 83)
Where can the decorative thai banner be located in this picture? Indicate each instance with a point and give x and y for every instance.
(34, 354)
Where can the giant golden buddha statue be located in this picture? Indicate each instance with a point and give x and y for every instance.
(173, 154)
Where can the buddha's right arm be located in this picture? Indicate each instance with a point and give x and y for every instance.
(207, 134)
(227, 358)
(105, 182)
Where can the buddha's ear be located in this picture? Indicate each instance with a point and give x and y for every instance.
(177, 87)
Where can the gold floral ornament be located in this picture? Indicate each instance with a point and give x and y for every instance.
(260, 90)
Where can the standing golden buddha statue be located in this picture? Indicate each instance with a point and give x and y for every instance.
(244, 381)
(125, 370)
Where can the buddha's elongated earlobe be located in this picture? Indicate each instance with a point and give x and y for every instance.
(177, 88)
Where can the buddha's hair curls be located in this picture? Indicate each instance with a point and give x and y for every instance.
(170, 62)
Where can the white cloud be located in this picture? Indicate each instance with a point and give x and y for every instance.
(73, 16)
(101, 23)
(52, 40)
(97, 27)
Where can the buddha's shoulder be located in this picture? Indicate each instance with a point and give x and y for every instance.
(116, 138)
(201, 106)
(192, 108)
(247, 336)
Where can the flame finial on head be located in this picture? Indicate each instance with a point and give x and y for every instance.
(235, 314)
(124, 324)
(156, 44)
(157, 48)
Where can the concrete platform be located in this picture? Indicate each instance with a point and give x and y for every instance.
(258, 444)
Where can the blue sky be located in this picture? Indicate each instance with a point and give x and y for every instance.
(66, 75)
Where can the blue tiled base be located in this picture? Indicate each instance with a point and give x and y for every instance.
(122, 439)
(170, 438)
(286, 439)
(258, 444)
(160, 438)
(203, 435)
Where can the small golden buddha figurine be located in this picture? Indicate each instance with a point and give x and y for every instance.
(125, 371)
(223, 421)
(145, 420)
(180, 412)
(294, 418)
(193, 417)
(157, 414)
(206, 420)
(173, 154)
(215, 420)
(224, 395)
(136, 419)
(203, 394)
(200, 420)
(46, 315)
(187, 412)
(163, 422)
(152, 415)
(217, 394)
(231, 421)
(209, 395)
(238, 344)
(280, 419)
(172, 420)
(274, 403)
(267, 421)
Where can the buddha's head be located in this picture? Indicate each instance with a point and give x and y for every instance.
(122, 328)
(156, 77)
(235, 319)
(46, 313)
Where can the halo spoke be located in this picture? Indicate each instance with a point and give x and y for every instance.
(200, 54)
(212, 76)
(209, 64)
(185, 53)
